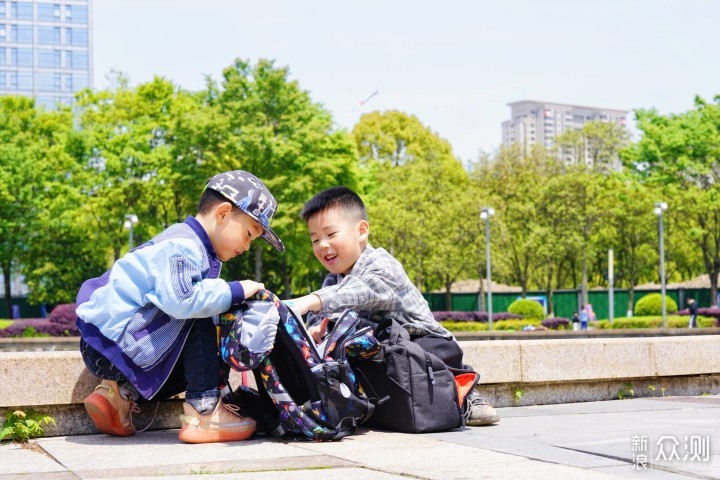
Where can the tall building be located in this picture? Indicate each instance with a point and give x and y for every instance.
(540, 123)
(45, 49)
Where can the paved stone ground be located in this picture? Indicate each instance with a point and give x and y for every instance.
(679, 436)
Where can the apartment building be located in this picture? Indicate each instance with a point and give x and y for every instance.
(46, 49)
(540, 123)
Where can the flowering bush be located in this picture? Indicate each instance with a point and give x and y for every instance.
(556, 323)
(39, 327)
(451, 316)
(712, 312)
(63, 313)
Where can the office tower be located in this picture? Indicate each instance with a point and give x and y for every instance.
(45, 49)
(541, 123)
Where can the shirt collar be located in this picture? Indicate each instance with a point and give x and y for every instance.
(202, 234)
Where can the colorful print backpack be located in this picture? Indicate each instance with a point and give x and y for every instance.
(304, 389)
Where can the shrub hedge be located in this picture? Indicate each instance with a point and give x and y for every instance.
(651, 304)
(454, 316)
(60, 323)
(654, 321)
(529, 309)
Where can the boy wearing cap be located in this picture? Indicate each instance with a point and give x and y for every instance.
(374, 284)
(148, 323)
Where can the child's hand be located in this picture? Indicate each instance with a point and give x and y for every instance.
(251, 288)
(319, 331)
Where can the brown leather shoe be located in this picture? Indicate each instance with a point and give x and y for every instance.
(224, 424)
(111, 412)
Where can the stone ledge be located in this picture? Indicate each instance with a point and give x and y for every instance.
(536, 371)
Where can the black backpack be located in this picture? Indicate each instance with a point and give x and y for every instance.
(303, 389)
(414, 391)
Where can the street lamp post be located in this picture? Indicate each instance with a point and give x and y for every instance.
(660, 207)
(130, 220)
(485, 214)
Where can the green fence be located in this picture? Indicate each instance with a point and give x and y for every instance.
(26, 310)
(565, 302)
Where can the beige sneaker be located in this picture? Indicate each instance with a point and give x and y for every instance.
(479, 412)
(111, 412)
(224, 424)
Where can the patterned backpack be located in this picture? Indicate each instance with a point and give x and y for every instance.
(304, 389)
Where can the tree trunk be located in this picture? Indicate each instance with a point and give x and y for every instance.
(584, 286)
(550, 308)
(8, 293)
(448, 296)
(713, 288)
(287, 288)
(258, 262)
(631, 298)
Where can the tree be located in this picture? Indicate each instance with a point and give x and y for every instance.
(277, 132)
(683, 150)
(134, 162)
(514, 181)
(597, 145)
(418, 202)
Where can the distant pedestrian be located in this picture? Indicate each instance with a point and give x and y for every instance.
(575, 322)
(692, 306)
(583, 318)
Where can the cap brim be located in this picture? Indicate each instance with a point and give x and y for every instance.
(271, 237)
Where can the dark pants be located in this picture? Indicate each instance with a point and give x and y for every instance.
(197, 372)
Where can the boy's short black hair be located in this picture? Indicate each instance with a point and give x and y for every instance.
(335, 197)
(209, 199)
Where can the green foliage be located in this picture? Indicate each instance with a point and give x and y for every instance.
(31, 332)
(466, 326)
(5, 323)
(517, 394)
(651, 304)
(515, 325)
(626, 391)
(673, 321)
(529, 309)
(20, 426)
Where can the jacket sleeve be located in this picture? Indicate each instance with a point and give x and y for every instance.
(167, 275)
(180, 291)
(377, 289)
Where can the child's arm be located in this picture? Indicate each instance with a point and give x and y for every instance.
(376, 290)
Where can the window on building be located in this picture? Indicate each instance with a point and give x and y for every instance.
(46, 82)
(76, 36)
(2, 80)
(24, 81)
(3, 56)
(21, 33)
(21, 10)
(49, 35)
(48, 12)
(76, 14)
(48, 103)
(22, 57)
(49, 58)
(3, 11)
(79, 82)
(76, 60)
(68, 83)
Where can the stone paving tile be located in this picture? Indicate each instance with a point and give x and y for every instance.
(15, 458)
(315, 474)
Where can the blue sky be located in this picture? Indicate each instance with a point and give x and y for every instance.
(455, 64)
